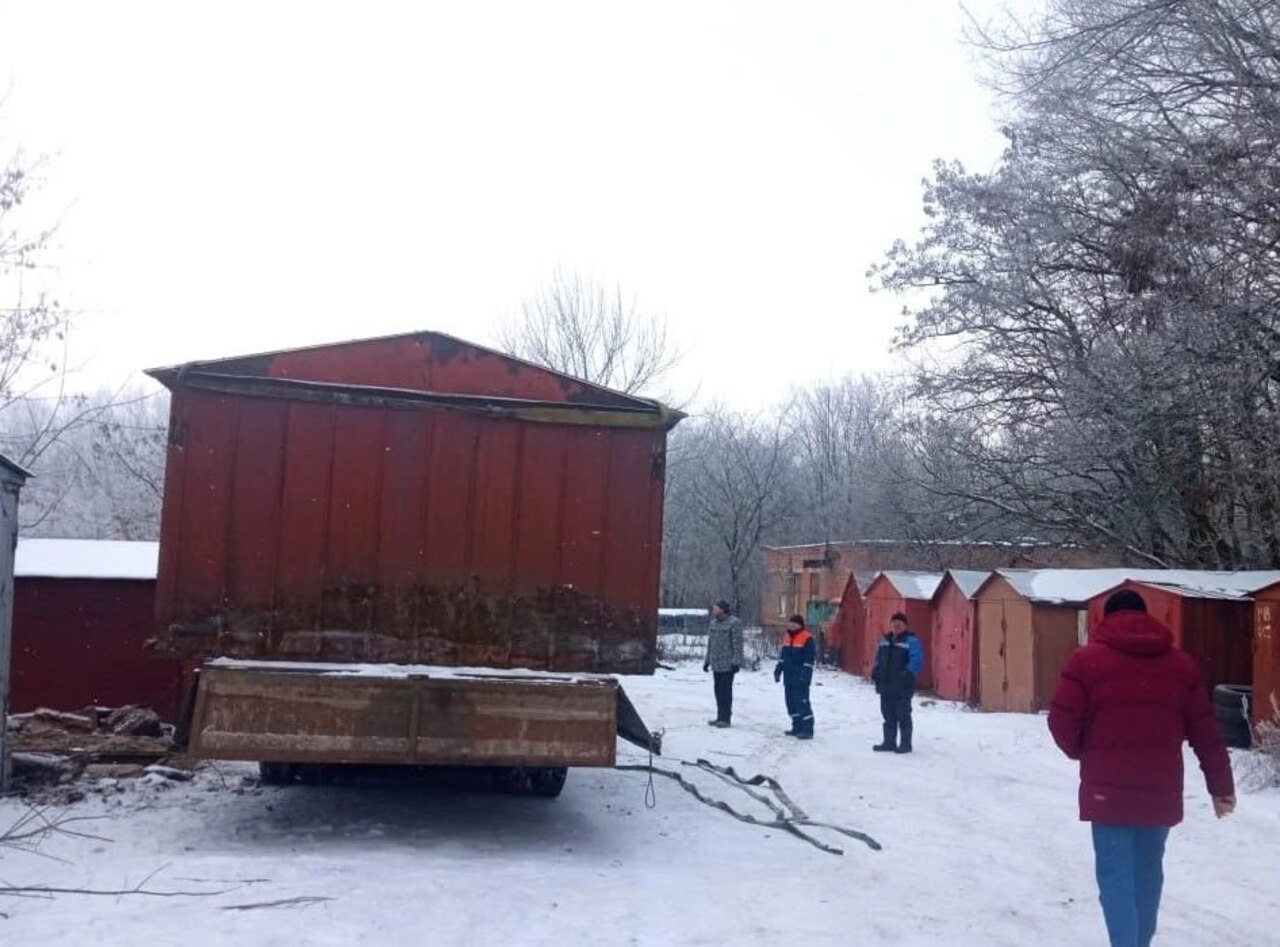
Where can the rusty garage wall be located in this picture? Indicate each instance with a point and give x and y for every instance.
(414, 500)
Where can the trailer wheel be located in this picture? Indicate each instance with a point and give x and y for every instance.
(545, 781)
(1231, 708)
(276, 774)
(548, 781)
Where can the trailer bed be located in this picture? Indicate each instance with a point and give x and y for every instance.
(295, 712)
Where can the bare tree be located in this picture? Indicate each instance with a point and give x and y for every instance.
(849, 442)
(33, 327)
(592, 332)
(103, 477)
(732, 478)
(1105, 302)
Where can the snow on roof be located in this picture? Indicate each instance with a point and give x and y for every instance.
(1076, 586)
(1063, 586)
(85, 559)
(914, 585)
(968, 580)
(684, 611)
(403, 671)
(1026, 543)
(1236, 585)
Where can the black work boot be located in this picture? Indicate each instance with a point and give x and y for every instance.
(904, 744)
(890, 743)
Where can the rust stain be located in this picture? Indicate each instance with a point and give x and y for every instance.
(558, 629)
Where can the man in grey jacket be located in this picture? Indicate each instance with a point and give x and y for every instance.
(724, 658)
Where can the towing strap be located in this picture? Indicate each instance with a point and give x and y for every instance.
(788, 816)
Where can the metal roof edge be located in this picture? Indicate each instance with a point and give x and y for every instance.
(169, 375)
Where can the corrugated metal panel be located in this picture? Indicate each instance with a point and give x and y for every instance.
(1266, 656)
(1211, 625)
(1008, 625)
(421, 361)
(79, 643)
(358, 530)
(851, 628)
(954, 641)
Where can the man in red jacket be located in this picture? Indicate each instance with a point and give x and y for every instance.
(1123, 708)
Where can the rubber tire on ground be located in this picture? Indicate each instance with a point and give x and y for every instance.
(1230, 703)
(276, 774)
(544, 781)
(1232, 696)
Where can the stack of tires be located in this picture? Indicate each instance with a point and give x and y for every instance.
(1231, 708)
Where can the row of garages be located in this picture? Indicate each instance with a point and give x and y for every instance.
(999, 639)
(83, 611)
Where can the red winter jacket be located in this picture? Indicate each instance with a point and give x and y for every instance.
(1123, 708)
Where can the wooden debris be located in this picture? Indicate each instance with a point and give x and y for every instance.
(47, 721)
(135, 722)
(171, 773)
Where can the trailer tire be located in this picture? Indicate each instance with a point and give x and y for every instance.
(1230, 708)
(544, 781)
(276, 774)
(548, 781)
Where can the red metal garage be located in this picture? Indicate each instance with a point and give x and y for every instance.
(82, 611)
(955, 646)
(415, 499)
(910, 593)
(850, 626)
(1211, 615)
(1266, 655)
(1029, 623)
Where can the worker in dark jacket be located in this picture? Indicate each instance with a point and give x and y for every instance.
(795, 670)
(899, 658)
(724, 659)
(1124, 705)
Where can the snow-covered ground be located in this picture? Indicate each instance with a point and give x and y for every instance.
(981, 847)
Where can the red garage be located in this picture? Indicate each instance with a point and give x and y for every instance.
(82, 611)
(955, 635)
(910, 593)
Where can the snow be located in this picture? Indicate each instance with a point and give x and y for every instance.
(1076, 586)
(968, 580)
(85, 559)
(914, 585)
(401, 671)
(981, 848)
(675, 612)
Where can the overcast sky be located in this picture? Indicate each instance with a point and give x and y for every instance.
(264, 175)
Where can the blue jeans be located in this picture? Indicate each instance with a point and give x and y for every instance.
(1130, 866)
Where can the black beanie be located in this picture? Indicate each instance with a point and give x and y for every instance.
(1126, 600)
(724, 607)
(797, 620)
